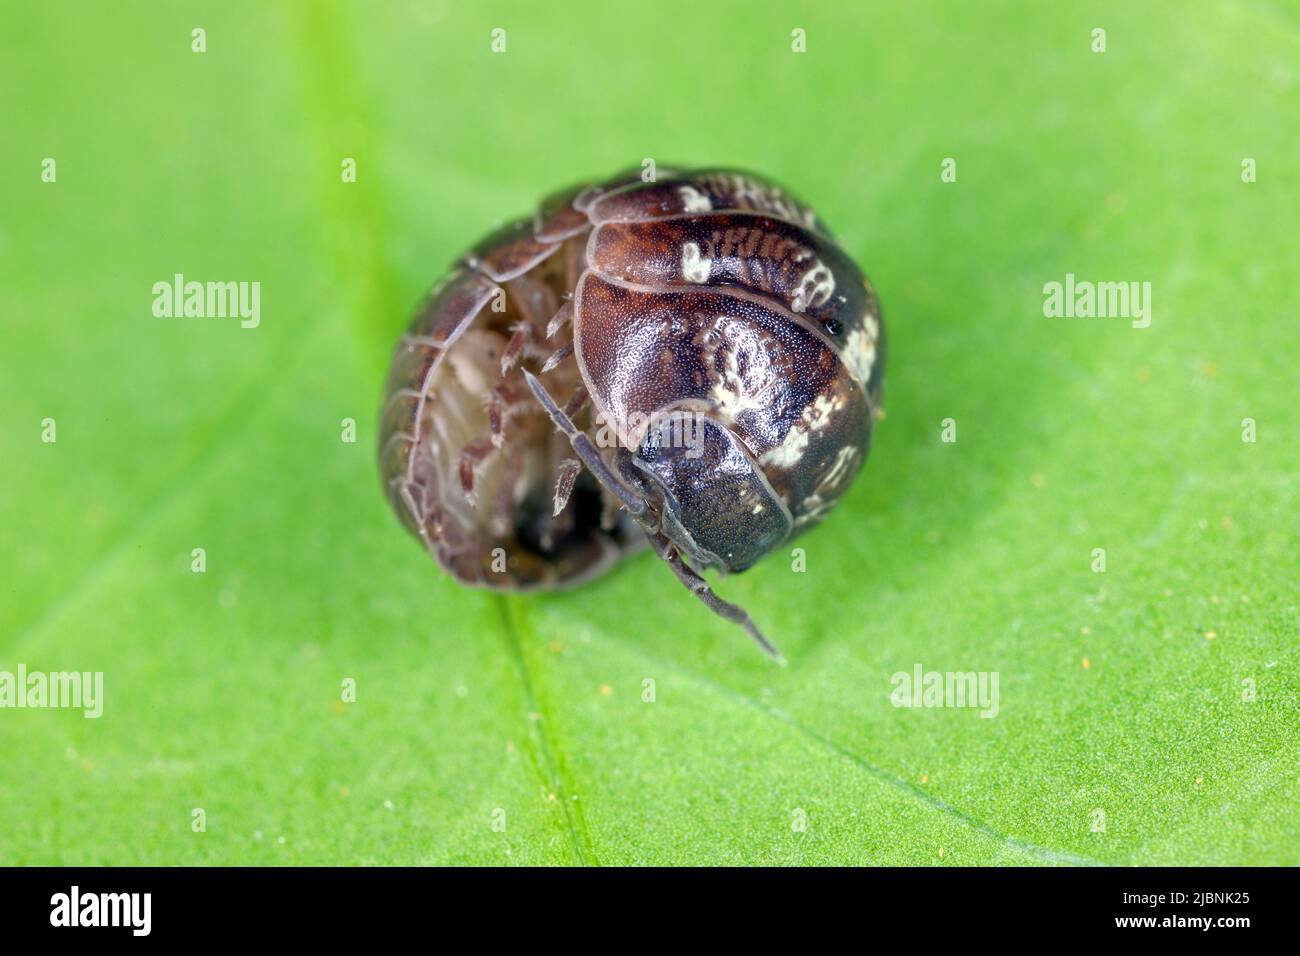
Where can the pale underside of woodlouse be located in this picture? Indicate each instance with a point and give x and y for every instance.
(523, 432)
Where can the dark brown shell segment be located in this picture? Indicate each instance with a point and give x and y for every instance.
(558, 219)
(448, 309)
(740, 518)
(803, 271)
(510, 251)
(749, 364)
(702, 191)
(624, 178)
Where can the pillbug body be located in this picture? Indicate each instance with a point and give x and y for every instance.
(691, 362)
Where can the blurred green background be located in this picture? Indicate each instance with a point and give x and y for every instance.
(1120, 691)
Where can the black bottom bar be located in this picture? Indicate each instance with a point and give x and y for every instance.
(335, 905)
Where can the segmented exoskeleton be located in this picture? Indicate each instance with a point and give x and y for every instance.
(690, 361)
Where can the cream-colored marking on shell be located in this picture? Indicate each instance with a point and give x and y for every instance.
(812, 509)
(815, 287)
(734, 393)
(695, 268)
(815, 417)
(860, 348)
(838, 468)
(816, 505)
(748, 191)
(753, 195)
(694, 200)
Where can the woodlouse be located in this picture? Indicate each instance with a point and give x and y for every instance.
(719, 359)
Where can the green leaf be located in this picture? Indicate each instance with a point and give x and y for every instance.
(1124, 692)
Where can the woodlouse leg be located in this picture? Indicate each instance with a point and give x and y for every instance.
(587, 451)
(503, 406)
(700, 588)
(565, 477)
(504, 505)
(577, 403)
(534, 300)
(556, 357)
(472, 456)
(523, 332)
(610, 505)
(560, 319)
(560, 523)
(495, 424)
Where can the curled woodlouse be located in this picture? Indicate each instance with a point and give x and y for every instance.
(690, 361)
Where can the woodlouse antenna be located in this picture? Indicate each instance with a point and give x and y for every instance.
(700, 588)
(495, 423)
(586, 450)
(472, 456)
